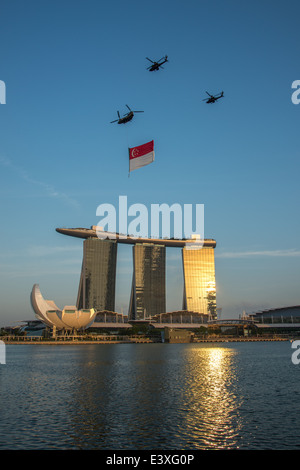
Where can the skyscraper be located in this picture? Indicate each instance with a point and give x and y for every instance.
(98, 275)
(199, 280)
(148, 293)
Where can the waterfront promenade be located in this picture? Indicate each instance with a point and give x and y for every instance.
(138, 339)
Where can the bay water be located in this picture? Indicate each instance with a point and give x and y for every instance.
(150, 396)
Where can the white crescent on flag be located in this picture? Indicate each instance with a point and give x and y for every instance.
(135, 153)
(141, 155)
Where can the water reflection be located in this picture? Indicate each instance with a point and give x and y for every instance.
(212, 414)
(178, 396)
(156, 396)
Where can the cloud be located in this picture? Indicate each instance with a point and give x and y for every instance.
(47, 188)
(11, 273)
(249, 254)
(37, 251)
(41, 250)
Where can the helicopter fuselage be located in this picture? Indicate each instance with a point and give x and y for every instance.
(156, 65)
(126, 118)
(213, 99)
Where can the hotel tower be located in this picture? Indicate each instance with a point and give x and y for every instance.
(148, 291)
(98, 275)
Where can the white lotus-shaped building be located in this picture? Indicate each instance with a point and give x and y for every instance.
(67, 319)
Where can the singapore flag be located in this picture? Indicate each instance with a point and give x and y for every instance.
(141, 155)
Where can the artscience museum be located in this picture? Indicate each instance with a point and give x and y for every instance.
(67, 319)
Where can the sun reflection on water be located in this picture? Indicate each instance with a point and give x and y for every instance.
(184, 396)
(211, 412)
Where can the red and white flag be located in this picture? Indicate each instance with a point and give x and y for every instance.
(141, 155)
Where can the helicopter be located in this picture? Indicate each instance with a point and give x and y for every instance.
(213, 98)
(155, 65)
(127, 117)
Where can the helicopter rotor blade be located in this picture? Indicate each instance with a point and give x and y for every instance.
(163, 58)
(150, 60)
(128, 107)
(208, 94)
(118, 114)
(114, 121)
(138, 111)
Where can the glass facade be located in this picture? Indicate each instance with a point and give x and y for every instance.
(98, 275)
(148, 294)
(199, 280)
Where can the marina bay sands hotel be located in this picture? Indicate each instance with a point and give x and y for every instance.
(97, 284)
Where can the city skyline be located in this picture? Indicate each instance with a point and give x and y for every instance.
(66, 73)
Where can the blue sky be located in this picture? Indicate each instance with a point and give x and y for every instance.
(69, 66)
